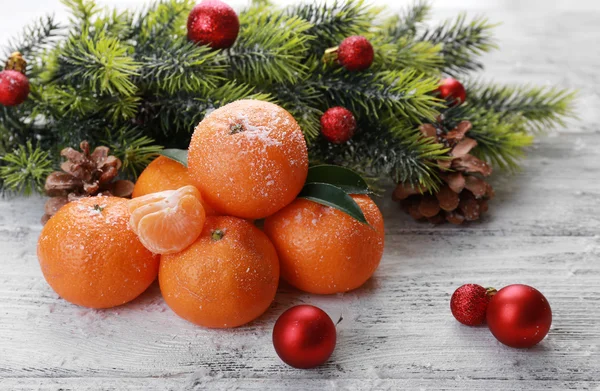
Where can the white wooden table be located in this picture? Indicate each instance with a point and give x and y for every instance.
(543, 230)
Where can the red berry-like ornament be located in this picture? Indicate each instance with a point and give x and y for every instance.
(14, 85)
(213, 23)
(304, 336)
(469, 304)
(453, 91)
(519, 316)
(355, 53)
(338, 125)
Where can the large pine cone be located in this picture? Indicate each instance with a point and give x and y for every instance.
(464, 195)
(84, 174)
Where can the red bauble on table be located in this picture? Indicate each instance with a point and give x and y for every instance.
(14, 85)
(304, 336)
(519, 316)
(338, 125)
(453, 91)
(355, 53)
(213, 23)
(469, 304)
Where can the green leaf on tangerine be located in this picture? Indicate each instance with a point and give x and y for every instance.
(333, 196)
(342, 177)
(179, 155)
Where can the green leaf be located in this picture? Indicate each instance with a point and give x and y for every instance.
(179, 155)
(342, 177)
(330, 195)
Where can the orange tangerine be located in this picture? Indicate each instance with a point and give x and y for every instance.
(168, 221)
(248, 158)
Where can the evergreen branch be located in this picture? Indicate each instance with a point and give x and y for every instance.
(382, 94)
(181, 66)
(302, 101)
(462, 42)
(101, 63)
(134, 149)
(376, 152)
(120, 108)
(113, 24)
(82, 12)
(162, 21)
(331, 23)
(270, 48)
(404, 53)
(405, 25)
(25, 169)
(542, 107)
(34, 38)
(500, 139)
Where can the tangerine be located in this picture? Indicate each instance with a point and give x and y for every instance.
(162, 174)
(90, 256)
(248, 158)
(227, 278)
(323, 250)
(168, 221)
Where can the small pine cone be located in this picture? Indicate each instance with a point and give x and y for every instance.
(84, 174)
(464, 195)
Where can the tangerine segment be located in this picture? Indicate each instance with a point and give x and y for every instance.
(248, 158)
(90, 256)
(227, 278)
(165, 174)
(168, 221)
(323, 250)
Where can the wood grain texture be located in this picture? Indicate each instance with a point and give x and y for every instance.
(543, 229)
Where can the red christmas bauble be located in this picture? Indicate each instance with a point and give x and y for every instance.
(304, 336)
(14, 87)
(519, 316)
(469, 304)
(453, 91)
(213, 23)
(338, 125)
(355, 53)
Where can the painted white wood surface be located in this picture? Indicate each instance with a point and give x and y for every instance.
(543, 229)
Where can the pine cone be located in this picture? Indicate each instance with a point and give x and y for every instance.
(83, 175)
(464, 195)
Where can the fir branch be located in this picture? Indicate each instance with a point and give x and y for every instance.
(181, 66)
(101, 63)
(331, 23)
(82, 12)
(134, 149)
(113, 24)
(382, 94)
(302, 100)
(161, 21)
(120, 108)
(35, 38)
(462, 42)
(271, 47)
(500, 140)
(543, 107)
(376, 152)
(25, 169)
(405, 53)
(405, 25)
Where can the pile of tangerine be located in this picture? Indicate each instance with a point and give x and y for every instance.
(193, 227)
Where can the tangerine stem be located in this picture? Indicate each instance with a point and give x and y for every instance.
(217, 234)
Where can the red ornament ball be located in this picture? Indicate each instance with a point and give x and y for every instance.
(338, 125)
(355, 53)
(213, 23)
(453, 91)
(519, 316)
(469, 304)
(304, 336)
(14, 87)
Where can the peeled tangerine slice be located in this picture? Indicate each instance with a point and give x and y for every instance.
(169, 221)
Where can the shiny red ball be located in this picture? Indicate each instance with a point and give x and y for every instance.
(14, 88)
(469, 304)
(213, 23)
(338, 125)
(304, 336)
(519, 316)
(355, 53)
(453, 91)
